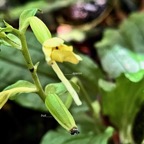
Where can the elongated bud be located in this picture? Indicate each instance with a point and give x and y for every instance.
(61, 113)
(40, 29)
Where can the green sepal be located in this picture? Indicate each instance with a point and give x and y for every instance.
(39, 29)
(59, 111)
(61, 91)
(24, 18)
(14, 89)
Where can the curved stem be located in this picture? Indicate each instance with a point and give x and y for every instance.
(31, 66)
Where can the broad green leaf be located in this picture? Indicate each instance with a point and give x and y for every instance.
(122, 103)
(24, 18)
(14, 89)
(117, 60)
(60, 137)
(130, 36)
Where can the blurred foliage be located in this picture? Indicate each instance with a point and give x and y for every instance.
(129, 101)
(119, 53)
(61, 137)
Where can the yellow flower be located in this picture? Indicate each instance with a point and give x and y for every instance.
(55, 50)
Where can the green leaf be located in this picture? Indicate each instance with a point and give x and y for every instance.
(115, 49)
(122, 103)
(103, 138)
(14, 89)
(24, 18)
(61, 137)
(20, 84)
(117, 60)
(135, 77)
(31, 100)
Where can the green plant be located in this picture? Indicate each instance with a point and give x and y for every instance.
(54, 50)
(16, 38)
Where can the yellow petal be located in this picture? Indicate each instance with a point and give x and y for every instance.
(61, 56)
(53, 42)
(65, 48)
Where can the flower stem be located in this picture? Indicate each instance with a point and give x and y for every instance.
(88, 101)
(31, 66)
(66, 82)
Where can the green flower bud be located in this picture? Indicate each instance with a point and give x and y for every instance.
(39, 29)
(61, 113)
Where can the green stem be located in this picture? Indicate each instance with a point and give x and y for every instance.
(88, 101)
(30, 65)
(85, 96)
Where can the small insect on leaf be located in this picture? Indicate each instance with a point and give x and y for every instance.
(74, 131)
